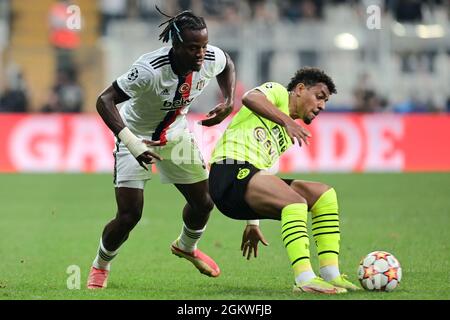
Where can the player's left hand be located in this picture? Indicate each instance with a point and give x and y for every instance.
(250, 238)
(151, 143)
(217, 115)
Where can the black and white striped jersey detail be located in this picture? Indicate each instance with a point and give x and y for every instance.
(210, 55)
(160, 61)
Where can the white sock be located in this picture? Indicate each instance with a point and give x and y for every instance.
(188, 239)
(305, 276)
(328, 273)
(104, 257)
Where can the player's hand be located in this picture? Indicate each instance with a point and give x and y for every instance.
(297, 132)
(217, 115)
(148, 157)
(250, 238)
(151, 143)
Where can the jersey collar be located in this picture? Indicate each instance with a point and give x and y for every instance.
(173, 65)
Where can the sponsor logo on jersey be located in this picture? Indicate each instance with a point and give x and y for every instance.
(177, 104)
(260, 134)
(278, 133)
(133, 74)
(243, 173)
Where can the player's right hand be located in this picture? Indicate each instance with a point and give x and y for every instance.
(296, 131)
(250, 238)
(148, 157)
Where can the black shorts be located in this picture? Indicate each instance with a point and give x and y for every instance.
(227, 186)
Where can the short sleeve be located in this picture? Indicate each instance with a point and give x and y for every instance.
(221, 61)
(274, 92)
(216, 61)
(135, 81)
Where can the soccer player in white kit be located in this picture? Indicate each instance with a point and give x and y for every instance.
(151, 127)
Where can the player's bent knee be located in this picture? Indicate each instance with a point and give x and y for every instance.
(291, 199)
(326, 201)
(207, 206)
(324, 188)
(129, 220)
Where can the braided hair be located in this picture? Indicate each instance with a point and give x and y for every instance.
(184, 20)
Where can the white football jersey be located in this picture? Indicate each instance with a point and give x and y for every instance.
(159, 98)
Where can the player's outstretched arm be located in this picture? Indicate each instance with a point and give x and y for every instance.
(227, 83)
(106, 107)
(256, 101)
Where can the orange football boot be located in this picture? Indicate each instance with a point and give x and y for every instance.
(98, 278)
(201, 261)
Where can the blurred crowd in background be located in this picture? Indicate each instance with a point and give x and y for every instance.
(67, 92)
(235, 11)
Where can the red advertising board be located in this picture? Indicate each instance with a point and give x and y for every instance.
(339, 143)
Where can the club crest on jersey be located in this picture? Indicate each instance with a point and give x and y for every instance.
(200, 84)
(185, 87)
(243, 173)
(133, 74)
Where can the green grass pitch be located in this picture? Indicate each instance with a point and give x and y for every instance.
(50, 222)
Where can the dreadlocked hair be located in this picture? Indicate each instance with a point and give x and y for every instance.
(184, 20)
(311, 76)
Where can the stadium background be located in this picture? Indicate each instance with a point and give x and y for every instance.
(392, 72)
(388, 58)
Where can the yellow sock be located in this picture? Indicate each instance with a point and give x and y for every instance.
(295, 236)
(325, 228)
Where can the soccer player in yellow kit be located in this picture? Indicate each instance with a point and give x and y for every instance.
(242, 188)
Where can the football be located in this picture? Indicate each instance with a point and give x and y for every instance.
(379, 271)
